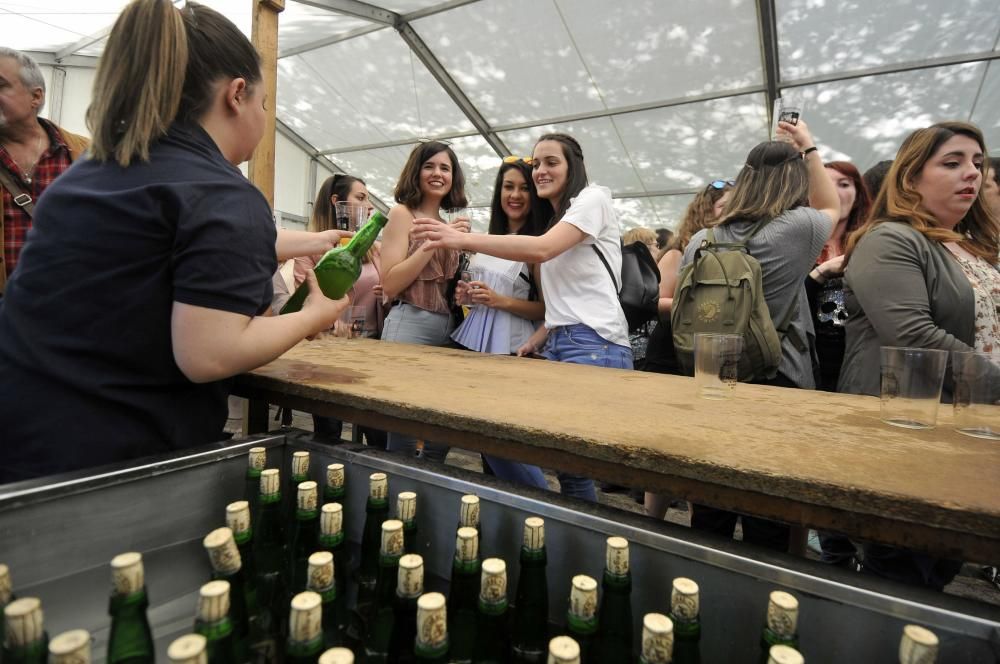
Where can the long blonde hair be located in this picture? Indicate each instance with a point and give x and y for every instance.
(898, 200)
(160, 65)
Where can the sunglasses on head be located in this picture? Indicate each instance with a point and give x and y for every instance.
(513, 160)
(721, 184)
(434, 140)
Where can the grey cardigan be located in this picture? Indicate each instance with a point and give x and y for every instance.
(902, 290)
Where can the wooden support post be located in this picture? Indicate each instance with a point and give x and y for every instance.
(264, 35)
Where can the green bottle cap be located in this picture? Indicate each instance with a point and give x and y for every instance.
(564, 650)
(321, 572)
(784, 655)
(222, 551)
(188, 649)
(213, 601)
(684, 601)
(23, 621)
(657, 639)
(127, 575)
(72, 647)
(410, 578)
(917, 645)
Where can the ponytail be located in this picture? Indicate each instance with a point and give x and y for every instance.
(162, 65)
(139, 81)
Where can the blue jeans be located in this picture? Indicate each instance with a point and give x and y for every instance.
(580, 344)
(518, 473)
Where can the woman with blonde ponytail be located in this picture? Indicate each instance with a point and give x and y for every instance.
(141, 289)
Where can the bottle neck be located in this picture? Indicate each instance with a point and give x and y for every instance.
(331, 541)
(366, 236)
(306, 648)
(493, 608)
(533, 555)
(466, 567)
(244, 536)
(270, 498)
(333, 495)
(125, 605)
(36, 651)
(376, 504)
(617, 582)
(578, 625)
(214, 630)
(306, 515)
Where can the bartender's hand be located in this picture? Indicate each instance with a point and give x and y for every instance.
(326, 311)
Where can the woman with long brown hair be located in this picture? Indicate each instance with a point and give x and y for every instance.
(921, 273)
(141, 288)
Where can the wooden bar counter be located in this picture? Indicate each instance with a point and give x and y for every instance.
(807, 458)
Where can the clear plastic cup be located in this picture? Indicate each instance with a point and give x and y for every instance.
(977, 393)
(716, 364)
(911, 386)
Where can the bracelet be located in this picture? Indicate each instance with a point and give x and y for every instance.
(808, 150)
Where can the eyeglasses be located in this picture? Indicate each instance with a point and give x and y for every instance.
(721, 184)
(513, 160)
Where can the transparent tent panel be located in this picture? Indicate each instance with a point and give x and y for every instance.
(405, 6)
(45, 27)
(821, 37)
(865, 120)
(670, 209)
(329, 96)
(985, 114)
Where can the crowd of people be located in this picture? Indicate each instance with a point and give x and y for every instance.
(161, 261)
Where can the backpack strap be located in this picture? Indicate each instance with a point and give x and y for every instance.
(618, 291)
(532, 287)
(22, 198)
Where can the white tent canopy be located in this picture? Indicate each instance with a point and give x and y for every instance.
(664, 95)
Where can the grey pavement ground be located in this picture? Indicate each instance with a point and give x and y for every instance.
(969, 583)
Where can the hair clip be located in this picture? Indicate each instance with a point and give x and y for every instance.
(513, 160)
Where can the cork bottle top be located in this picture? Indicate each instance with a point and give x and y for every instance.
(534, 533)
(392, 538)
(321, 572)
(918, 646)
(300, 463)
(238, 516)
(307, 497)
(127, 574)
(432, 620)
(467, 544)
(335, 476)
(257, 458)
(213, 601)
(378, 486)
(684, 599)
(468, 513)
(23, 621)
(564, 650)
(583, 597)
(782, 613)
(270, 482)
(305, 621)
(72, 647)
(410, 579)
(784, 655)
(493, 583)
(188, 649)
(657, 638)
(222, 551)
(331, 519)
(5, 585)
(337, 656)
(406, 506)
(616, 556)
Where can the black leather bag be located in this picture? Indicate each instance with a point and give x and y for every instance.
(639, 294)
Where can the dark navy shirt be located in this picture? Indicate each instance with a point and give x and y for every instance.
(87, 372)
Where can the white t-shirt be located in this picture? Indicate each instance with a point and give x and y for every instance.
(576, 285)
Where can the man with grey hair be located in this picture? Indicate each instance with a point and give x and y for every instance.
(33, 151)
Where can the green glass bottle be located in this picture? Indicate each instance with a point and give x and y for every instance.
(305, 534)
(331, 539)
(212, 622)
(378, 636)
(614, 638)
(337, 656)
(529, 638)
(376, 511)
(782, 621)
(6, 595)
(238, 520)
(322, 576)
(25, 639)
(335, 488)
(256, 462)
(492, 635)
(227, 565)
(72, 647)
(463, 596)
(657, 639)
(409, 588)
(788, 655)
(406, 511)
(581, 617)
(684, 613)
(340, 267)
(305, 629)
(299, 474)
(188, 649)
(431, 643)
(269, 553)
(131, 639)
(563, 650)
(918, 646)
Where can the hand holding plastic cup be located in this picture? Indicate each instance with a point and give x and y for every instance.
(911, 385)
(717, 364)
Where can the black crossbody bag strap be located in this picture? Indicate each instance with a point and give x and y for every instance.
(22, 199)
(618, 291)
